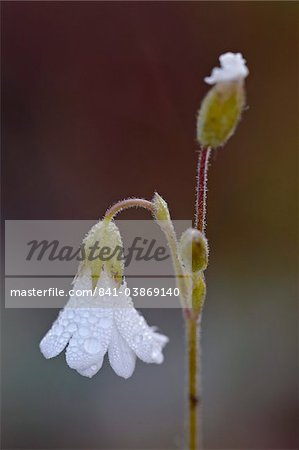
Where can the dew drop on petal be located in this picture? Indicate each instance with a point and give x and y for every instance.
(58, 329)
(72, 327)
(92, 346)
(92, 319)
(84, 331)
(105, 323)
(70, 314)
(137, 338)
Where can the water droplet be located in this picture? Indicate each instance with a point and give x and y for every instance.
(92, 319)
(84, 331)
(92, 346)
(70, 314)
(137, 338)
(58, 329)
(105, 323)
(72, 327)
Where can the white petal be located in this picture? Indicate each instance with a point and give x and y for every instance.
(62, 329)
(233, 67)
(56, 339)
(121, 357)
(91, 370)
(86, 323)
(89, 343)
(146, 343)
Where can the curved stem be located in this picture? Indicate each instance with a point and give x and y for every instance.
(169, 232)
(128, 203)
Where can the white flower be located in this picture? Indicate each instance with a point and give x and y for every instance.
(91, 325)
(233, 67)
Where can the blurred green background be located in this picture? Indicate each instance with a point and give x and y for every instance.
(99, 103)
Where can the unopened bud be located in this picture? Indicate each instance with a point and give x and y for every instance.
(222, 107)
(193, 249)
(161, 211)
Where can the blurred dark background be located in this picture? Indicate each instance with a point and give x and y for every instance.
(99, 103)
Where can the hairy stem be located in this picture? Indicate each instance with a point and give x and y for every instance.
(193, 382)
(182, 279)
(201, 188)
(128, 203)
(193, 323)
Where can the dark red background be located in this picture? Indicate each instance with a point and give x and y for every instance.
(99, 102)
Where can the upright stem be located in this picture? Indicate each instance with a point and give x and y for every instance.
(193, 379)
(192, 323)
(201, 188)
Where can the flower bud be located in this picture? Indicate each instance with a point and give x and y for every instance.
(222, 107)
(161, 208)
(220, 113)
(103, 250)
(193, 249)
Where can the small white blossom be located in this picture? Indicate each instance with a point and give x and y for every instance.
(233, 67)
(92, 325)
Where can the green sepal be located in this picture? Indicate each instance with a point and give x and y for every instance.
(104, 234)
(220, 112)
(193, 248)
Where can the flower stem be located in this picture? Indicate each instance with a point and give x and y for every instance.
(201, 188)
(193, 375)
(193, 323)
(128, 203)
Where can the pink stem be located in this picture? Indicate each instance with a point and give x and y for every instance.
(128, 203)
(201, 188)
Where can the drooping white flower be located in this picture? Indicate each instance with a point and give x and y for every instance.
(92, 325)
(233, 67)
